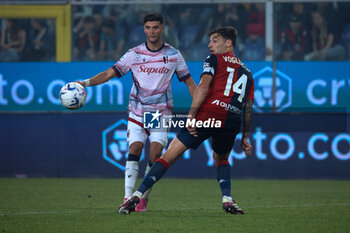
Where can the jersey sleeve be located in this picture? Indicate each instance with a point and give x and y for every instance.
(182, 71)
(210, 65)
(123, 65)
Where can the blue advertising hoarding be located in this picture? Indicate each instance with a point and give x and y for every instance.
(94, 145)
(299, 85)
(318, 84)
(56, 142)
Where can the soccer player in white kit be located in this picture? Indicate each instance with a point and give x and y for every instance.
(152, 65)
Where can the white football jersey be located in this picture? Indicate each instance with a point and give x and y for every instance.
(152, 72)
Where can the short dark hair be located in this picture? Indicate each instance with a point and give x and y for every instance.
(153, 16)
(227, 33)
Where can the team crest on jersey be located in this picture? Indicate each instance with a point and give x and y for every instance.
(165, 59)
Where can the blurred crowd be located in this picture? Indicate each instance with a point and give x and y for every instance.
(312, 31)
(106, 32)
(303, 31)
(27, 40)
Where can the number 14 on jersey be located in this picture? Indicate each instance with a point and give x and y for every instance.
(238, 87)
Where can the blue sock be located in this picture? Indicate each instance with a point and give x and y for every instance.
(157, 171)
(224, 177)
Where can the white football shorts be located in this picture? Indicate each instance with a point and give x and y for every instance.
(136, 132)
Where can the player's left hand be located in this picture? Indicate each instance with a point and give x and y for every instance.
(246, 146)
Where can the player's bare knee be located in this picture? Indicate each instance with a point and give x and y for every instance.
(136, 148)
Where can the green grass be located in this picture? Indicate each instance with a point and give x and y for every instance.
(176, 205)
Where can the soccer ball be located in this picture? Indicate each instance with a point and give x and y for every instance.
(73, 96)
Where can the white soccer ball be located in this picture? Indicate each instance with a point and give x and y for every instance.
(73, 96)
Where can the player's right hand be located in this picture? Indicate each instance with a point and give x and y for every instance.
(192, 130)
(246, 146)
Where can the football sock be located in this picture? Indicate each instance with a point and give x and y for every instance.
(224, 177)
(131, 174)
(226, 199)
(146, 194)
(157, 171)
(138, 194)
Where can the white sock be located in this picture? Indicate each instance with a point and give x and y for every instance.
(131, 174)
(138, 194)
(226, 199)
(148, 191)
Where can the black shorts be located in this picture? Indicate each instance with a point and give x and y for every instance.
(221, 139)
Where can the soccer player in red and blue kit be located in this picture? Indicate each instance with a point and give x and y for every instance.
(225, 92)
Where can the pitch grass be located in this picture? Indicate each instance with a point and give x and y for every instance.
(176, 205)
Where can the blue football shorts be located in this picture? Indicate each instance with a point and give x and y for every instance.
(221, 139)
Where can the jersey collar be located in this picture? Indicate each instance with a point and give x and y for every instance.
(154, 51)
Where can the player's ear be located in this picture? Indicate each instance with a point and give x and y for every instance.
(229, 43)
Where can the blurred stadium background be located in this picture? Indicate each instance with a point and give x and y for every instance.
(300, 127)
(301, 107)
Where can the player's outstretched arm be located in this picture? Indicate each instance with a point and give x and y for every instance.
(247, 120)
(191, 85)
(98, 79)
(199, 95)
